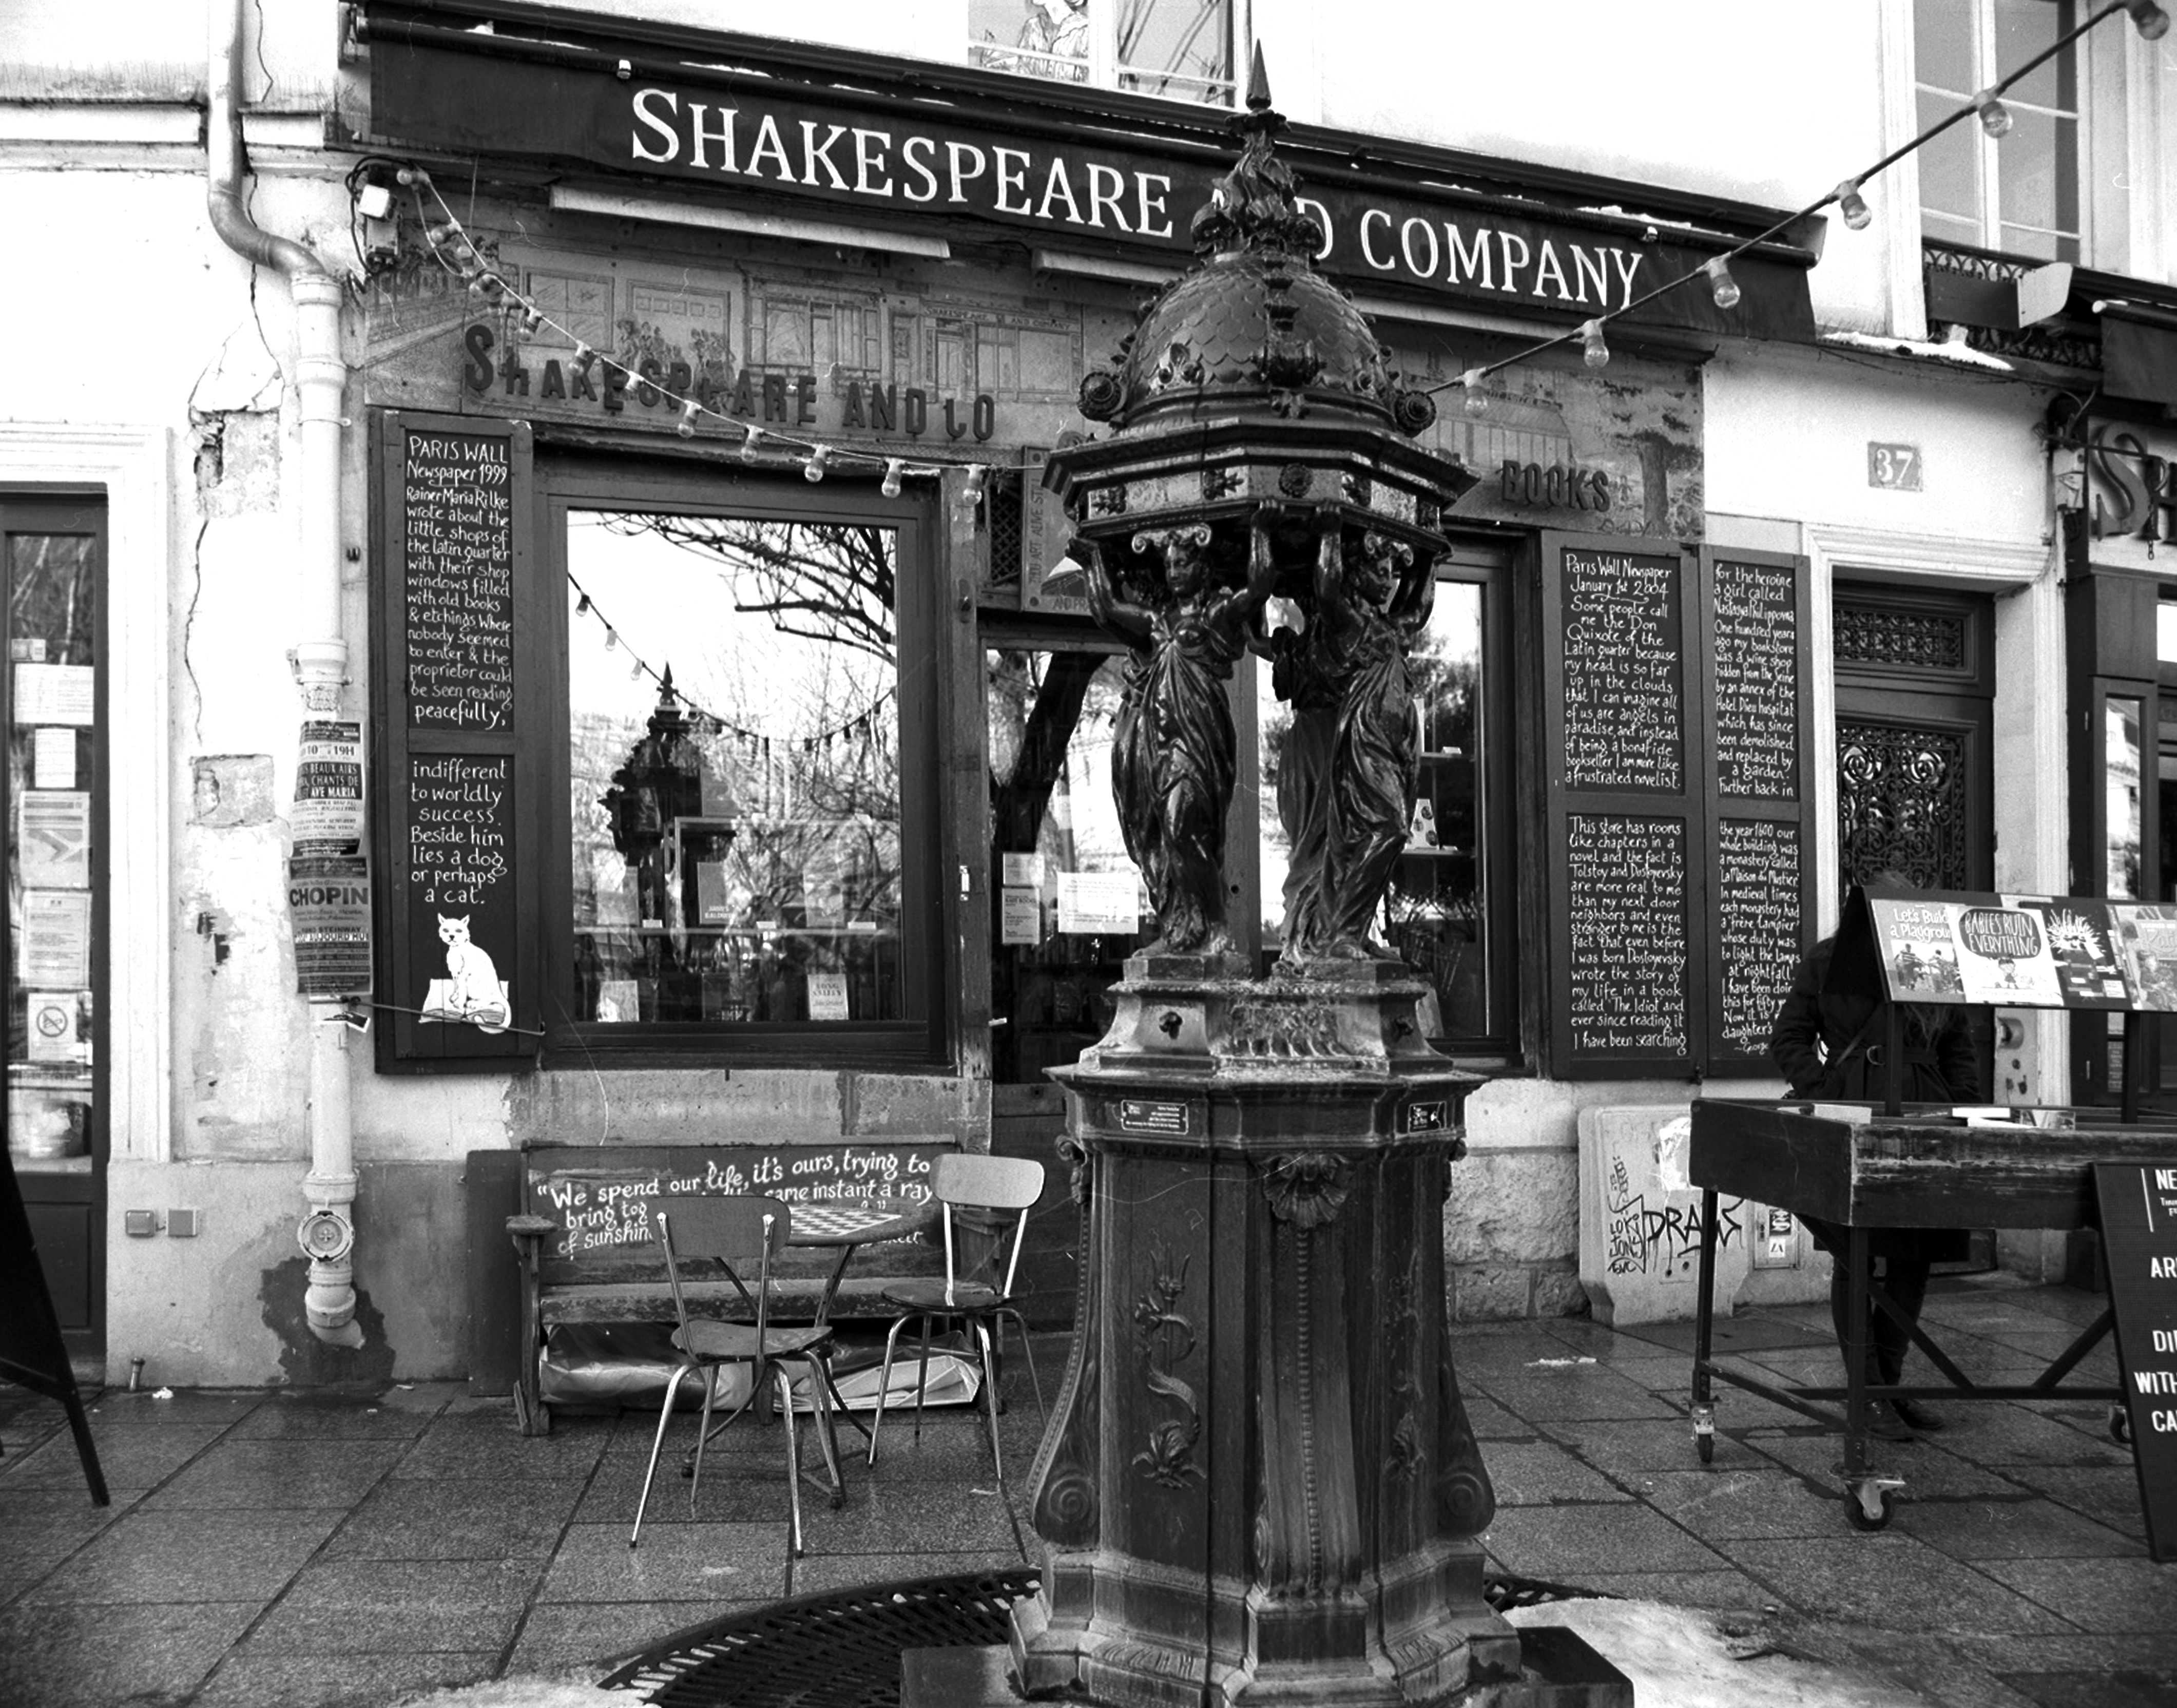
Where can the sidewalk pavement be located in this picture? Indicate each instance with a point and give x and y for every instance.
(301, 1549)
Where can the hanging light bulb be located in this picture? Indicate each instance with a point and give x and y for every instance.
(972, 493)
(1724, 287)
(1994, 115)
(1477, 400)
(2152, 22)
(634, 674)
(813, 470)
(1591, 341)
(612, 637)
(585, 359)
(532, 318)
(582, 606)
(751, 442)
(1852, 204)
(438, 236)
(689, 411)
(889, 485)
(488, 285)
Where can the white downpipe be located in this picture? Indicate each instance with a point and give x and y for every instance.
(320, 657)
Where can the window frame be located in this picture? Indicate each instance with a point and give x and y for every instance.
(571, 479)
(1989, 219)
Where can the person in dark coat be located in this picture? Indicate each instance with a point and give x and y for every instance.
(1830, 1046)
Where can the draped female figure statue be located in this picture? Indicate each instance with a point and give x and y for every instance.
(1172, 758)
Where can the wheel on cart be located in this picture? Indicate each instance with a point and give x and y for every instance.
(1868, 1505)
(2119, 1425)
(1704, 1421)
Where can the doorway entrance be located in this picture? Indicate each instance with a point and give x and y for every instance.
(52, 688)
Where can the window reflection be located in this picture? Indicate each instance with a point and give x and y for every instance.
(1051, 717)
(733, 747)
(2121, 769)
(1179, 49)
(1434, 915)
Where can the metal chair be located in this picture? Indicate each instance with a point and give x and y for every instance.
(973, 1294)
(733, 1230)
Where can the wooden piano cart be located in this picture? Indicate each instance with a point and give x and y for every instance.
(1866, 1166)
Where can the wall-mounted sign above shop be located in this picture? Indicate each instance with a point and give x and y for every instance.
(1530, 486)
(2131, 491)
(900, 160)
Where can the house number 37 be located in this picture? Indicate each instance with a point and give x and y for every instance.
(1896, 467)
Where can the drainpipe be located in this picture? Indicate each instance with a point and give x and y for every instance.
(321, 658)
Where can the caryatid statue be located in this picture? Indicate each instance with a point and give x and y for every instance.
(1172, 759)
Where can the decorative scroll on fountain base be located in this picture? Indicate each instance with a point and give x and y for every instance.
(1259, 1482)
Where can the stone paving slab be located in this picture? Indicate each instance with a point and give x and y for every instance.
(2131, 1596)
(252, 1676)
(1889, 1581)
(1725, 1504)
(63, 1656)
(1540, 1474)
(179, 1557)
(1562, 1542)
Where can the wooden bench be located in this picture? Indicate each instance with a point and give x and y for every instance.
(586, 1254)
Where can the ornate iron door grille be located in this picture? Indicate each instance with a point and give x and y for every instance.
(1903, 804)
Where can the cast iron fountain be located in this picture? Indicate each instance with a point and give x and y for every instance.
(1259, 1484)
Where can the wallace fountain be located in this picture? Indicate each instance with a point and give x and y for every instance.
(1258, 1484)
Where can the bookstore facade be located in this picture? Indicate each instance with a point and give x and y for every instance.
(743, 769)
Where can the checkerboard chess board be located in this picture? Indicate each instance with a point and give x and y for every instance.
(835, 1219)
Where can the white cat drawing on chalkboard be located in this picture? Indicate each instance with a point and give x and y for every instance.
(471, 991)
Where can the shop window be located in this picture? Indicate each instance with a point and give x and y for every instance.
(1182, 50)
(746, 859)
(2021, 192)
(1070, 905)
(1448, 912)
(53, 696)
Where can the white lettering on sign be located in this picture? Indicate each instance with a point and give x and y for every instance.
(1895, 468)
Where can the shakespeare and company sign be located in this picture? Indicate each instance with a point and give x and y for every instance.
(899, 159)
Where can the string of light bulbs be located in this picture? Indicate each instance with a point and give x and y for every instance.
(818, 457)
(2152, 22)
(707, 721)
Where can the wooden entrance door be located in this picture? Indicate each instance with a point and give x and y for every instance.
(1915, 736)
(1915, 728)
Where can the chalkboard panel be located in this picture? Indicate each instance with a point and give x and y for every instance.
(457, 587)
(457, 874)
(1758, 907)
(1755, 638)
(600, 1196)
(455, 770)
(1623, 671)
(1628, 942)
(2138, 1204)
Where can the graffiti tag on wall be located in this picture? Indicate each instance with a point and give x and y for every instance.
(1660, 1239)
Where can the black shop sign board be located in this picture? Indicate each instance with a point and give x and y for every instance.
(2139, 1243)
(1678, 752)
(458, 979)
